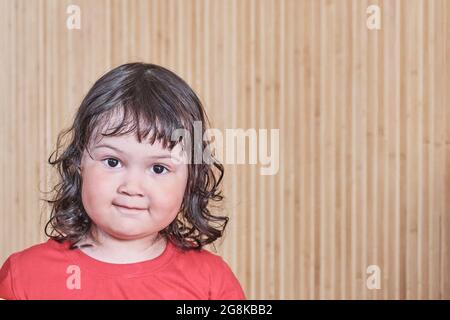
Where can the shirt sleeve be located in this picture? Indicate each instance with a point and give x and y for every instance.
(225, 285)
(6, 281)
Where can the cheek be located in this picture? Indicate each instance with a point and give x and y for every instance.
(169, 195)
(96, 190)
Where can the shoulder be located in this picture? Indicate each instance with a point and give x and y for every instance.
(223, 284)
(37, 249)
(203, 262)
(37, 256)
(202, 258)
(22, 266)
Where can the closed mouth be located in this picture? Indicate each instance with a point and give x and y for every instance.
(126, 207)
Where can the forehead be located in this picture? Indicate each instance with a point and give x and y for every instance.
(123, 132)
(115, 122)
(128, 141)
(113, 119)
(128, 146)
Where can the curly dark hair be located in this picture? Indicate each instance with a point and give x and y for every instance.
(143, 94)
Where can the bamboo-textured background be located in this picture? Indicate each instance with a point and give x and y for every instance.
(363, 115)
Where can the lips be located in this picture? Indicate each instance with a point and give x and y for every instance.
(127, 207)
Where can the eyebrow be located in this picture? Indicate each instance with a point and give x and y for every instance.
(161, 156)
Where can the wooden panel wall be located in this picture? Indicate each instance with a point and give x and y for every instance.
(364, 121)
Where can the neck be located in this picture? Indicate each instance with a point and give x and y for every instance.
(112, 250)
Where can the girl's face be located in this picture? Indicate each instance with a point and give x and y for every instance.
(131, 190)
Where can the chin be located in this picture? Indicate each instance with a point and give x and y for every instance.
(124, 234)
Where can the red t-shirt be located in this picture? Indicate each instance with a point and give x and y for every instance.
(51, 270)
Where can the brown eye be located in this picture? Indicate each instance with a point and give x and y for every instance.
(111, 162)
(158, 169)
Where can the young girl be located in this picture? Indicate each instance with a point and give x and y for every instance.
(130, 213)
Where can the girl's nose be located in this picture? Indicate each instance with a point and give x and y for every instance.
(132, 184)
